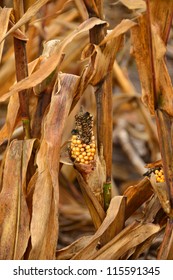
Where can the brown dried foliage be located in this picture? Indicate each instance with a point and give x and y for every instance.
(43, 194)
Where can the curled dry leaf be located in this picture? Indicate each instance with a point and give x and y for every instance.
(26, 17)
(14, 214)
(54, 61)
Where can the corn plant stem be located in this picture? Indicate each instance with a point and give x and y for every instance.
(21, 73)
(103, 100)
(22, 70)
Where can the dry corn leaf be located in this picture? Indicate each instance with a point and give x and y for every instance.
(155, 80)
(44, 223)
(26, 17)
(11, 119)
(111, 226)
(137, 195)
(161, 14)
(124, 242)
(141, 51)
(4, 19)
(53, 61)
(120, 29)
(95, 208)
(68, 252)
(14, 214)
(134, 4)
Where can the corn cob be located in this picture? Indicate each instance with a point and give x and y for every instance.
(83, 146)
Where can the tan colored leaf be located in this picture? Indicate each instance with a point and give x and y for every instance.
(53, 61)
(11, 119)
(137, 195)
(14, 214)
(27, 16)
(111, 226)
(141, 51)
(120, 29)
(4, 20)
(134, 4)
(44, 222)
(68, 252)
(124, 242)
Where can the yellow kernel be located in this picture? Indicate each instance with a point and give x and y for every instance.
(77, 159)
(86, 158)
(77, 153)
(160, 173)
(80, 146)
(78, 141)
(89, 154)
(84, 145)
(77, 149)
(74, 141)
(82, 160)
(87, 147)
(84, 153)
(93, 145)
(73, 149)
(156, 171)
(90, 158)
(82, 149)
(86, 162)
(80, 156)
(73, 156)
(93, 150)
(74, 136)
(92, 154)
